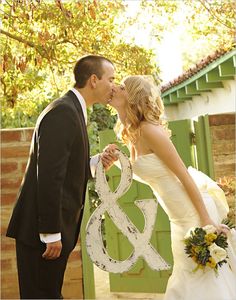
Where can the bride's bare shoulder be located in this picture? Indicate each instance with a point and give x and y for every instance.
(148, 128)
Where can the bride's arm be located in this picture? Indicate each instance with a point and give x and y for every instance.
(157, 140)
(113, 148)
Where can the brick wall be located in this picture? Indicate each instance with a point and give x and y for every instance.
(15, 144)
(222, 129)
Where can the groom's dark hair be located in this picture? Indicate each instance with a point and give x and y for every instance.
(87, 66)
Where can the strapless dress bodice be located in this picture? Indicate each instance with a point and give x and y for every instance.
(150, 169)
(166, 186)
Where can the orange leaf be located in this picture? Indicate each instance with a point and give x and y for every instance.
(92, 12)
(22, 66)
(59, 4)
(80, 5)
(46, 35)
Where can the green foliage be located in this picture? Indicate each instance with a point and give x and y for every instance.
(203, 26)
(221, 241)
(26, 109)
(210, 26)
(101, 118)
(203, 256)
(41, 41)
(162, 13)
(197, 238)
(228, 222)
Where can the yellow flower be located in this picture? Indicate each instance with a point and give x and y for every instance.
(196, 249)
(211, 263)
(194, 258)
(201, 266)
(210, 237)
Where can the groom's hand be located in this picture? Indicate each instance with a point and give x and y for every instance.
(109, 156)
(53, 250)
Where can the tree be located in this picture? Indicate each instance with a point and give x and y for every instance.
(41, 41)
(206, 25)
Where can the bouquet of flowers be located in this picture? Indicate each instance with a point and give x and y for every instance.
(206, 247)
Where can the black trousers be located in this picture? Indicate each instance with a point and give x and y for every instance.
(39, 278)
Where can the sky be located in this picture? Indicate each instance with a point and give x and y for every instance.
(169, 61)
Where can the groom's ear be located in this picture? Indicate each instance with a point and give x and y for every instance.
(93, 80)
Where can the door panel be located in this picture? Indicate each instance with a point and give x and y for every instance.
(182, 139)
(141, 278)
(203, 146)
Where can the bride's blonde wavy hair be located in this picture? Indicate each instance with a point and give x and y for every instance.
(144, 104)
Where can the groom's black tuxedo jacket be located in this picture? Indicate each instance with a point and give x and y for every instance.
(53, 190)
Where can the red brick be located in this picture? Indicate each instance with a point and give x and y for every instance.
(15, 152)
(224, 134)
(10, 136)
(6, 263)
(8, 167)
(74, 256)
(3, 230)
(7, 199)
(23, 167)
(73, 289)
(15, 135)
(7, 244)
(8, 281)
(9, 293)
(223, 119)
(10, 183)
(223, 147)
(6, 247)
(9, 285)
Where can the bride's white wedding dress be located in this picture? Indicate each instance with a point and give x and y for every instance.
(183, 283)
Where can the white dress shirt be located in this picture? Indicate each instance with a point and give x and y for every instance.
(53, 237)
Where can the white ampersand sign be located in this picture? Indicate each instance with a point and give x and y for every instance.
(139, 240)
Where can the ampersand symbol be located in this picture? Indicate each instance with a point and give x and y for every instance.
(139, 240)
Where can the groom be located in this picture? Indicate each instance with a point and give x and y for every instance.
(47, 216)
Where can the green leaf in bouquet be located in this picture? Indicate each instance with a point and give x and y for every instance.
(228, 222)
(221, 241)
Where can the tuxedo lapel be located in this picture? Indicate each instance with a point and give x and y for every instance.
(81, 120)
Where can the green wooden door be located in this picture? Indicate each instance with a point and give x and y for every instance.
(203, 146)
(182, 138)
(87, 265)
(141, 278)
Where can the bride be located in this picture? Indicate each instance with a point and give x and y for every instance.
(183, 193)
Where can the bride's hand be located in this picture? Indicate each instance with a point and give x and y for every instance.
(221, 228)
(109, 156)
(111, 148)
